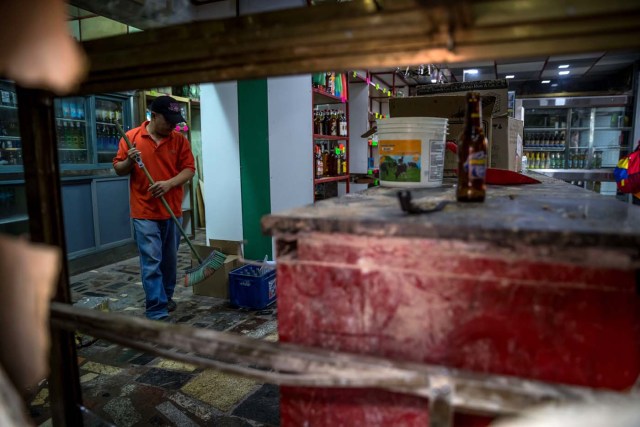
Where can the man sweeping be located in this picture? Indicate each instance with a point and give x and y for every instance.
(168, 159)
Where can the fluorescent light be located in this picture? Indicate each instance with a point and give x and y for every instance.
(544, 82)
(554, 85)
(564, 73)
(563, 66)
(510, 76)
(434, 80)
(471, 71)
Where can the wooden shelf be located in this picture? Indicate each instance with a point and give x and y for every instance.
(330, 137)
(14, 218)
(559, 149)
(330, 179)
(321, 97)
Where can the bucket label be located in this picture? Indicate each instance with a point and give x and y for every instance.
(400, 160)
(436, 160)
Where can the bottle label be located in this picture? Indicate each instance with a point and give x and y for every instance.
(476, 165)
(400, 160)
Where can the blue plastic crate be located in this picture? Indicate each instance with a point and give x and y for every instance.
(249, 289)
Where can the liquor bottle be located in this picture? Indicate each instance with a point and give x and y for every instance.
(317, 123)
(329, 82)
(333, 162)
(73, 109)
(338, 154)
(472, 157)
(343, 124)
(66, 109)
(65, 140)
(326, 123)
(74, 135)
(6, 97)
(318, 157)
(334, 123)
(344, 160)
(325, 161)
(80, 133)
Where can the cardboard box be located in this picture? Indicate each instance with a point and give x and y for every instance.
(217, 285)
(505, 150)
(498, 89)
(451, 107)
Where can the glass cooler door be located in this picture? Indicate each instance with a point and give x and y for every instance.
(107, 137)
(71, 130)
(10, 145)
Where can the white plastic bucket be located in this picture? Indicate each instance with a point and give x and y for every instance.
(411, 151)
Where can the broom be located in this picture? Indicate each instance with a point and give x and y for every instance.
(206, 267)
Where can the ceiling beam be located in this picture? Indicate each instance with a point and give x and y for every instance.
(358, 35)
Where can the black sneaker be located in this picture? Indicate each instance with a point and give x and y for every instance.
(171, 306)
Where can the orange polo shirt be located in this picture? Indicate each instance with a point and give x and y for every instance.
(163, 161)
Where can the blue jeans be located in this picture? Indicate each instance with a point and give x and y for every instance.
(158, 242)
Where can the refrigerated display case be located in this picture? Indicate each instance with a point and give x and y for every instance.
(95, 199)
(10, 146)
(579, 140)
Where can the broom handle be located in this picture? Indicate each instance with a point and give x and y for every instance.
(164, 201)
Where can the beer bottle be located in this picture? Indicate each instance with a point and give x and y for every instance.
(472, 157)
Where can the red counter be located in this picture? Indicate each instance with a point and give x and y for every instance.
(526, 305)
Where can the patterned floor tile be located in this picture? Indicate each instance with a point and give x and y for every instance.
(165, 379)
(262, 406)
(218, 389)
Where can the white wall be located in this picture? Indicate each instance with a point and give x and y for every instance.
(221, 160)
(290, 142)
(358, 124)
(220, 139)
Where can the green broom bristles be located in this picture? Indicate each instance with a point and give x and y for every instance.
(197, 274)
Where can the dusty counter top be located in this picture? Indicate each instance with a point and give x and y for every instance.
(551, 213)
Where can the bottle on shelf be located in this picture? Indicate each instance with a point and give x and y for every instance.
(343, 124)
(333, 162)
(325, 160)
(6, 97)
(326, 123)
(317, 122)
(318, 161)
(597, 159)
(330, 82)
(338, 155)
(59, 132)
(333, 123)
(344, 160)
(81, 138)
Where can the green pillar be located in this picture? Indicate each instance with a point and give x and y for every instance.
(253, 124)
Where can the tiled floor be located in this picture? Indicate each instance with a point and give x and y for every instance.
(125, 387)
